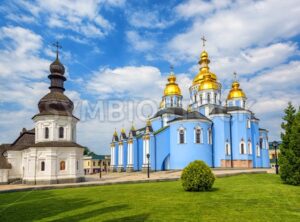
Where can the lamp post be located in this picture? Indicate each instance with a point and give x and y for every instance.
(148, 168)
(100, 175)
(275, 145)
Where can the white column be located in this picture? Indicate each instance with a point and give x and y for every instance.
(144, 152)
(129, 154)
(112, 156)
(120, 154)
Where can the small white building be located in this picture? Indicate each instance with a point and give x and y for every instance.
(47, 154)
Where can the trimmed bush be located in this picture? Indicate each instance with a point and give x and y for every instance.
(197, 176)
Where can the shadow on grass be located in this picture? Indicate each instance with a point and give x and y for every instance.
(93, 213)
(43, 205)
(134, 218)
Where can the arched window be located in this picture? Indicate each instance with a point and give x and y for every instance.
(171, 101)
(257, 150)
(248, 124)
(62, 165)
(209, 136)
(181, 136)
(261, 140)
(46, 133)
(77, 165)
(201, 99)
(244, 104)
(61, 132)
(198, 135)
(208, 98)
(242, 148)
(42, 166)
(215, 97)
(195, 98)
(249, 147)
(227, 149)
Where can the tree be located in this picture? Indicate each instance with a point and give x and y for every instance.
(289, 158)
(87, 152)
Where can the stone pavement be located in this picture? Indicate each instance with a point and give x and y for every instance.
(123, 178)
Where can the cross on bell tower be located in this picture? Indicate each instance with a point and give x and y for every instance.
(57, 46)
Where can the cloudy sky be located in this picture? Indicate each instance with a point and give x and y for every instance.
(117, 55)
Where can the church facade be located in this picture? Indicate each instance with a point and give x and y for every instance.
(47, 154)
(226, 136)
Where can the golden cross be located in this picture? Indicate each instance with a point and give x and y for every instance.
(203, 40)
(57, 46)
(172, 68)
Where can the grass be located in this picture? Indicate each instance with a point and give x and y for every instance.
(256, 197)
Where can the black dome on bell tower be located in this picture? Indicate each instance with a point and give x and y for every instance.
(56, 102)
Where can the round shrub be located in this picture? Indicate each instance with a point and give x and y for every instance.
(197, 176)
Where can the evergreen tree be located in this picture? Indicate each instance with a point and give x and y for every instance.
(289, 158)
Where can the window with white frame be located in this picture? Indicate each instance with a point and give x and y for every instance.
(181, 135)
(249, 147)
(248, 124)
(61, 132)
(46, 133)
(209, 136)
(242, 148)
(227, 149)
(198, 135)
(208, 98)
(257, 150)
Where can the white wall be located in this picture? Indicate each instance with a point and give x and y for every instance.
(54, 123)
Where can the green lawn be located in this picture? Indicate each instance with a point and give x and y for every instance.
(259, 197)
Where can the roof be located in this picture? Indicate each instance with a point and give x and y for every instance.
(97, 157)
(25, 140)
(226, 110)
(194, 115)
(57, 144)
(160, 130)
(172, 110)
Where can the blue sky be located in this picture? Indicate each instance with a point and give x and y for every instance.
(117, 50)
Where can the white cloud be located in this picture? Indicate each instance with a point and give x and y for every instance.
(245, 24)
(139, 43)
(149, 19)
(137, 82)
(193, 8)
(82, 17)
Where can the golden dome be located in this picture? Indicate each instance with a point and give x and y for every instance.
(235, 91)
(172, 87)
(205, 78)
(208, 83)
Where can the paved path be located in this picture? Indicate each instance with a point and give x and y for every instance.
(121, 178)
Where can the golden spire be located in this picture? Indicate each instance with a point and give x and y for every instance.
(123, 130)
(132, 126)
(148, 121)
(235, 91)
(172, 87)
(115, 133)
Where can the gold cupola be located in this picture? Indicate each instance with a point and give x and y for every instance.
(235, 91)
(172, 87)
(204, 69)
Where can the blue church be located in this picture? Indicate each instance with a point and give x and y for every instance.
(226, 136)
